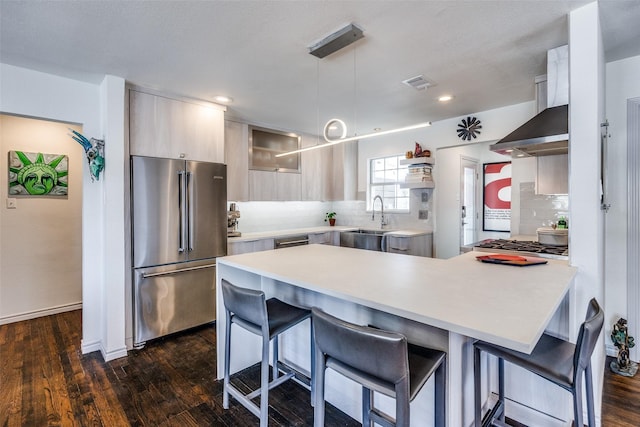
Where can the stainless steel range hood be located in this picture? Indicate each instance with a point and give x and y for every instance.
(547, 133)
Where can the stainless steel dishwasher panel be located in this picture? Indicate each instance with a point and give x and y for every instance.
(172, 298)
(287, 242)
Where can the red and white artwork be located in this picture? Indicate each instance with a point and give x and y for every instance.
(497, 196)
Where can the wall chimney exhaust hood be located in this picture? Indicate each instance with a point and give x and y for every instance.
(547, 133)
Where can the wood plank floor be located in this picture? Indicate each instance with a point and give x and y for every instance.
(45, 380)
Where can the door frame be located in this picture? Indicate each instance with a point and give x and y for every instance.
(465, 162)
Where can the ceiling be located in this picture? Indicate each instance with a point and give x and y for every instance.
(484, 53)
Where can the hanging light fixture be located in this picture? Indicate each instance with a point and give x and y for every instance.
(330, 44)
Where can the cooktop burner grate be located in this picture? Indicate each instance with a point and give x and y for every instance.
(523, 246)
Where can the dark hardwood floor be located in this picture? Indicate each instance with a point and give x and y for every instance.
(45, 380)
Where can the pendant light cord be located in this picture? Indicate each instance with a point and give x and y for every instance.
(355, 95)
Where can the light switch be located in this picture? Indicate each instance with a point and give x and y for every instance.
(12, 203)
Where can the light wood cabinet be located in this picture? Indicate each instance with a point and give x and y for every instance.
(325, 238)
(274, 186)
(237, 248)
(160, 126)
(410, 245)
(552, 175)
(237, 160)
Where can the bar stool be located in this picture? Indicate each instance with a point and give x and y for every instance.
(556, 360)
(250, 310)
(380, 361)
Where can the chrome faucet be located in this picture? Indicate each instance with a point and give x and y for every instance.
(373, 209)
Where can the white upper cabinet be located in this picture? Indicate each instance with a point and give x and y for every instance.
(237, 159)
(160, 126)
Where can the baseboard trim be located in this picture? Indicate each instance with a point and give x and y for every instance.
(530, 416)
(40, 313)
(113, 354)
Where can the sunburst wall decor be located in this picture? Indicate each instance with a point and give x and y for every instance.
(469, 128)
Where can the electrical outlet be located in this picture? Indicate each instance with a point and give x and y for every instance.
(12, 203)
(423, 214)
(425, 197)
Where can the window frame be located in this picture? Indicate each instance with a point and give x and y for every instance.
(397, 183)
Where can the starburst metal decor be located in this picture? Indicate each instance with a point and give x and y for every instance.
(38, 174)
(469, 128)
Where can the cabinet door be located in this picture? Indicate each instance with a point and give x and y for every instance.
(237, 248)
(321, 238)
(316, 171)
(170, 128)
(552, 175)
(237, 159)
(288, 186)
(262, 185)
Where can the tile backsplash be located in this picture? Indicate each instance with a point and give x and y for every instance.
(540, 210)
(273, 216)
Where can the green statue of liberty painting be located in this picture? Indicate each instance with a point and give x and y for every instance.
(38, 174)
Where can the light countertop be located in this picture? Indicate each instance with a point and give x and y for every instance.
(505, 305)
(247, 237)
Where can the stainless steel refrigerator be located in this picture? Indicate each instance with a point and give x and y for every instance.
(179, 224)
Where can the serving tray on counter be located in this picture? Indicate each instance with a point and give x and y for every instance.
(517, 260)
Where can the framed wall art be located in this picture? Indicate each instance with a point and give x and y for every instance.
(496, 195)
(38, 174)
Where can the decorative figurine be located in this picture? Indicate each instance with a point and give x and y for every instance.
(621, 339)
(94, 150)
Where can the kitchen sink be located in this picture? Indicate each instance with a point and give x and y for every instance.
(363, 239)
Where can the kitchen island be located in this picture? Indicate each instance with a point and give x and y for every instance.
(445, 304)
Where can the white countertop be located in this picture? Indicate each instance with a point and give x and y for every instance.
(247, 237)
(505, 305)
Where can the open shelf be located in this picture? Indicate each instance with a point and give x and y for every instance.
(418, 161)
(426, 184)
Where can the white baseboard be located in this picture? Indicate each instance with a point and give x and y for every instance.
(611, 350)
(113, 354)
(90, 347)
(40, 313)
(531, 417)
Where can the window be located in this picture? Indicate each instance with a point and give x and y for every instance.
(385, 176)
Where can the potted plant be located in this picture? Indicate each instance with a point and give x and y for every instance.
(331, 217)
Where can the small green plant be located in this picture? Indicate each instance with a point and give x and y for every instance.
(330, 215)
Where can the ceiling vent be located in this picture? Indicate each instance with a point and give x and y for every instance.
(419, 82)
(336, 41)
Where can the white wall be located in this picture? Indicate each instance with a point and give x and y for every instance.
(447, 235)
(99, 109)
(40, 240)
(622, 83)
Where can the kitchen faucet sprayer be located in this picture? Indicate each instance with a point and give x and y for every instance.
(373, 211)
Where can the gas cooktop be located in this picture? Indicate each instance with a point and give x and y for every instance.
(502, 245)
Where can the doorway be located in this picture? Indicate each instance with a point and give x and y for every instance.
(469, 196)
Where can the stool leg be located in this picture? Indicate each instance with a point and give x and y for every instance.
(591, 416)
(227, 363)
(313, 363)
(275, 371)
(264, 381)
(440, 392)
(577, 401)
(501, 386)
(318, 381)
(367, 403)
(477, 380)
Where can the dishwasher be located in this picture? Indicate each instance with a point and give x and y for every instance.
(290, 241)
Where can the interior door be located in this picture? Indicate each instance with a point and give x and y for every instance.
(469, 212)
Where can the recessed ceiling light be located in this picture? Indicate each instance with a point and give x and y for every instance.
(377, 129)
(223, 99)
(445, 98)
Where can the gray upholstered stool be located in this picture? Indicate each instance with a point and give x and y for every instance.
(380, 361)
(250, 310)
(556, 360)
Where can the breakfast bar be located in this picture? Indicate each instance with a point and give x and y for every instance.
(444, 304)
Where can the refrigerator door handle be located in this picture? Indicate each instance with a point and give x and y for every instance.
(166, 273)
(181, 208)
(189, 205)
